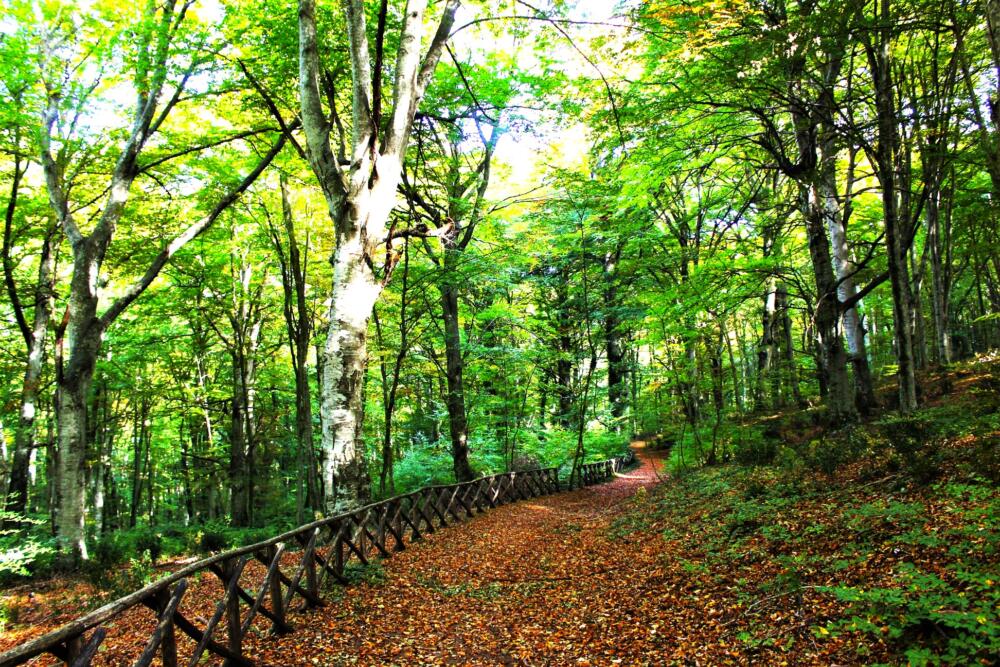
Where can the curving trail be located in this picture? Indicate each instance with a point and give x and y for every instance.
(538, 582)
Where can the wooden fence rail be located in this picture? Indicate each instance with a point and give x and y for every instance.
(297, 568)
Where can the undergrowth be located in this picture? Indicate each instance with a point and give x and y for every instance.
(878, 543)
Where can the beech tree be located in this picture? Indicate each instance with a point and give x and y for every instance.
(359, 172)
(163, 58)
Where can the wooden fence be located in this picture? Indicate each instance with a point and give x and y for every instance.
(296, 568)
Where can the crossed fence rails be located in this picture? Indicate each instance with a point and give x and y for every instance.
(327, 547)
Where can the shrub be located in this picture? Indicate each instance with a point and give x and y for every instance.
(25, 555)
(213, 541)
(755, 450)
(525, 462)
(931, 620)
(246, 536)
(108, 553)
(124, 579)
(913, 441)
(150, 543)
(986, 457)
(824, 456)
(661, 442)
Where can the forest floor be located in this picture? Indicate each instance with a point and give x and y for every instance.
(538, 582)
(887, 553)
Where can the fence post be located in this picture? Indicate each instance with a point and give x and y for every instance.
(229, 569)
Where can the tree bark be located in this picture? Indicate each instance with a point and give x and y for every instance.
(345, 355)
(940, 253)
(82, 339)
(617, 389)
(766, 348)
(791, 370)
(458, 424)
(24, 436)
(298, 322)
(239, 511)
(839, 399)
(884, 158)
(360, 200)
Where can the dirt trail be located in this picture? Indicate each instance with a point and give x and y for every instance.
(538, 582)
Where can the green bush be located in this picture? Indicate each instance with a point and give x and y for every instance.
(824, 455)
(244, 537)
(932, 621)
(107, 553)
(986, 457)
(913, 441)
(755, 450)
(212, 541)
(25, 555)
(150, 543)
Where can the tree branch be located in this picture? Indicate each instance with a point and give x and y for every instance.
(138, 287)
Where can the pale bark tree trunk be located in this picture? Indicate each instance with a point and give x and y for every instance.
(345, 355)
(810, 110)
(766, 347)
(99, 433)
(993, 30)
(839, 398)
(360, 200)
(82, 340)
(35, 340)
(84, 328)
(844, 267)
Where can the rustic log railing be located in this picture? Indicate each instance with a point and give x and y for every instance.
(322, 549)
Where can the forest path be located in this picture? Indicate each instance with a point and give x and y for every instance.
(539, 582)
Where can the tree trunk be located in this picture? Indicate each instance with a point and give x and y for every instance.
(187, 446)
(72, 468)
(98, 430)
(880, 63)
(617, 389)
(360, 201)
(833, 356)
(82, 339)
(355, 290)
(543, 400)
(24, 436)
(458, 425)
(854, 331)
(766, 347)
(918, 269)
(940, 285)
(787, 344)
(564, 360)
(239, 514)
(298, 322)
